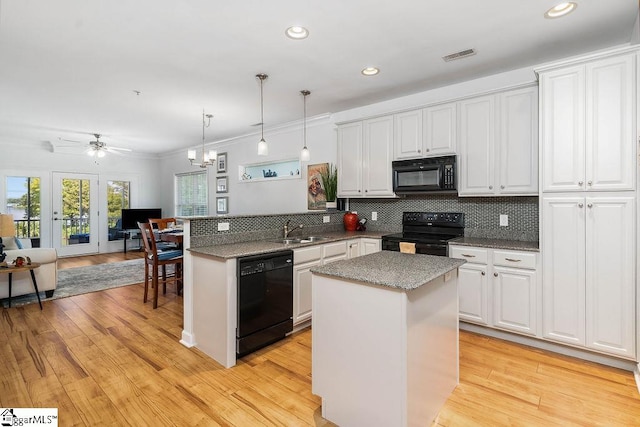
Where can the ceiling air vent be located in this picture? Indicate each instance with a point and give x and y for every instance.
(459, 55)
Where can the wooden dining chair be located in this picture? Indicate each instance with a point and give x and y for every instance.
(156, 260)
(159, 224)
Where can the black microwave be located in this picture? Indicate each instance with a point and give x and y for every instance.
(427, 175)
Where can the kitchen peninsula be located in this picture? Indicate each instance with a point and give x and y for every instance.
(385, 338)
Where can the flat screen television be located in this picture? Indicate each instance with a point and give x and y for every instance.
(131, 217)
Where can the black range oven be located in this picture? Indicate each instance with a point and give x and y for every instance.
(430, 231)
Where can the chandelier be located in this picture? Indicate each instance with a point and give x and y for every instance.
(208, 158)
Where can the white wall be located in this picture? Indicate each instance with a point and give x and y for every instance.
(37, 159)
(266, 197)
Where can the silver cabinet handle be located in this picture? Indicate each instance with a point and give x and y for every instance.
(358, 191)
(590, 205)
(468, 256)
(513, 259)
(580, 205)
(589, 182)
(420, 151)
(580, 183)
(495, 274)
(483, 273)
(366, 191)
(491, 187)
(502, 187)
(427, 150)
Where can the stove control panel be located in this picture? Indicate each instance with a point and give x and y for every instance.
(433, 218)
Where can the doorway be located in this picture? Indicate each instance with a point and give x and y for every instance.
(74, 225)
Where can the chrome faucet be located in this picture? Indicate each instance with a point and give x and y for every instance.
(288, 231)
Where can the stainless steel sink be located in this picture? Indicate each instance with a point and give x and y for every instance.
(287, 241)
(314, 239)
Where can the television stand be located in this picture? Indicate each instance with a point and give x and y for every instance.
(130, 235)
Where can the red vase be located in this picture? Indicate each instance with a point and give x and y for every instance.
(350, 221)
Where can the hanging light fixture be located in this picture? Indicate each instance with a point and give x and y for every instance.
(263, 149)
(304, 154)
(208, 158)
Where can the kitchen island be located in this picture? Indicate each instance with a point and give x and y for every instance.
(385, 338)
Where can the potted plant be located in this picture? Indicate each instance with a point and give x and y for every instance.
(329, 178)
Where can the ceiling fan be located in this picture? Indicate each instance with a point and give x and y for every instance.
(99, 148)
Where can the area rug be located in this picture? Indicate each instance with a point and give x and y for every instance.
(93, 278)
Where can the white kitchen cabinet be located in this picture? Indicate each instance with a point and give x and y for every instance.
(408, 140)
(439, 130)
(370, 245)
(349, 161)
(588, 141)
(473, 287)
(365, 153)
(353, 248)
(335, 251)
(499, 288)
(304, 259)
(499, 144)
(427, 132)
(588, 247)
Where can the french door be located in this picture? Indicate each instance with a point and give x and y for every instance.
(75, 226)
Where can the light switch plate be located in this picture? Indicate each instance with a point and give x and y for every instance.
(326, 218)
(504, 220)
(223, 226)
(374, 216)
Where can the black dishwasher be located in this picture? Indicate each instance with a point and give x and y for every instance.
(265, 300)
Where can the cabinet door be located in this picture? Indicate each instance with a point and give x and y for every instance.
(473, 293)
(350, 160)
(477, 135)
(514, 299)
(563, 156)
(370, 246)
(407, 143)
(378, 155)
(353, 248)
(610, 275)
(518, 152)
(440, 129)
(610, 140)
(563, 269)
(302, 291)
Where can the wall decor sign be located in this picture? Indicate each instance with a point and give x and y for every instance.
(316, 200)
(222, 205)
(221, 184)
(222, 163)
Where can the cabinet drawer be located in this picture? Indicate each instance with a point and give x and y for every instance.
(313, 253)
(335, 249)
(471, 254)
(514, 259)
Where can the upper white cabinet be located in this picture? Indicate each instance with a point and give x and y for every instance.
(365, 153)
(498, 144)
(427, 132)
(588, 142)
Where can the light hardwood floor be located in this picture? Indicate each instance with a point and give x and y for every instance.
(106, 358)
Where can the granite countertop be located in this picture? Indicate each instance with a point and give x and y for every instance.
(235, 250)
(392, 269)
(516, 245)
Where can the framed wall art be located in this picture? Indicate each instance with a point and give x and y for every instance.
(222, 205)
(222, 184)
(221, 163)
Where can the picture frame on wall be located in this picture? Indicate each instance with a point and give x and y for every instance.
(316, 199)
(221, 163)
(222, 184)
(222, 205)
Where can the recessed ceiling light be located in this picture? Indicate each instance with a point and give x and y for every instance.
(370, 71)
(561, 9)
(297, 32)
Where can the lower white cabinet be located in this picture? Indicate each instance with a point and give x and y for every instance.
(498, 288)
(304, 259)
(588, 247)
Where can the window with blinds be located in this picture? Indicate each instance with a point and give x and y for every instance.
(191, 194)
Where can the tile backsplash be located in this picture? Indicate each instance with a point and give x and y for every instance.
(482, 219)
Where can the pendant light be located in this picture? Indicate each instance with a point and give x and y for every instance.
(263, 149)
(208, 159)
(304, 154)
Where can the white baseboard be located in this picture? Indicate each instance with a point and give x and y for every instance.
(627, 365)
(636, 375)
(188, 339)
